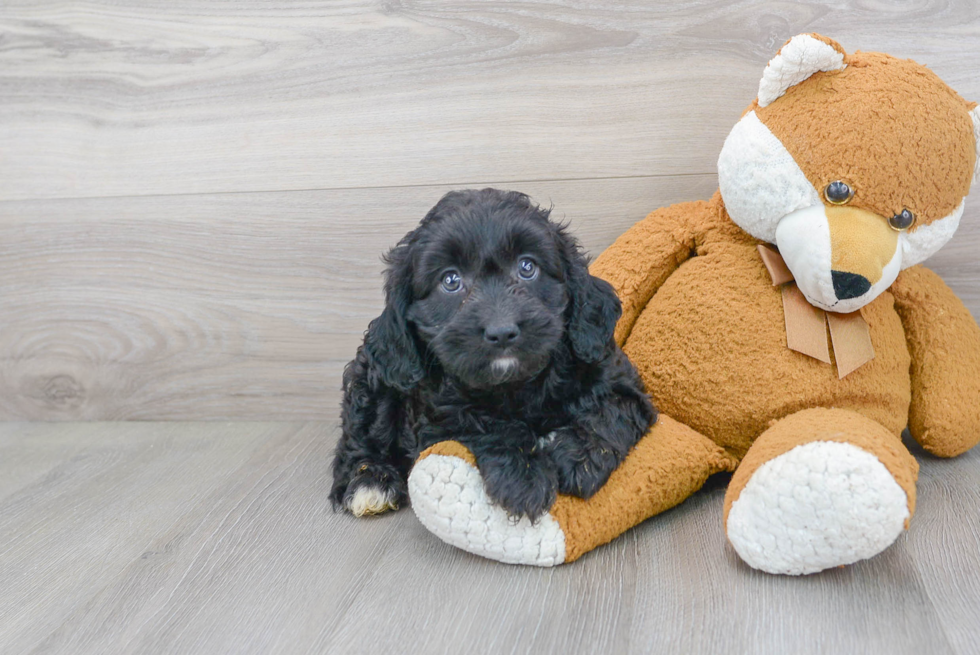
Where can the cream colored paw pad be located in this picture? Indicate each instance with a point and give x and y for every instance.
(820, 505)
(448, 496)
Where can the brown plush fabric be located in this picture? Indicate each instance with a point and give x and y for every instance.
(835, 425)
(667, 238)
(668, 465)
(944, 341)
(710, 343)
(849, 120)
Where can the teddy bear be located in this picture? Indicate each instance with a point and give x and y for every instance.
(784, 328)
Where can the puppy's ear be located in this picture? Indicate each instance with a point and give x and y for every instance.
(594, 307)
(392, 353)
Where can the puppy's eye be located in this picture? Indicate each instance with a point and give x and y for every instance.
(902, 221)
(838, 193)
(451, 281)
(527, 269)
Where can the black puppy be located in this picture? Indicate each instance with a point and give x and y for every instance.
(493, 334)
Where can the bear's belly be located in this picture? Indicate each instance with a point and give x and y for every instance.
(711, 348)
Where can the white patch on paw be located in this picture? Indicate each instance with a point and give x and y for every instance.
(820, 505)
(449, 498)
(371, 500)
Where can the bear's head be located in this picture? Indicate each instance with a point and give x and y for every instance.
(854, 166)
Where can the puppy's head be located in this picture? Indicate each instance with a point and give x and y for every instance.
(491, 289)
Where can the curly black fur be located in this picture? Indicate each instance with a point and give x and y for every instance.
(522, 369)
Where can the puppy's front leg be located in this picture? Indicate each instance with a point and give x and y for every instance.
(588, 450)
(371, 463)
(518, 477)
(370, 467)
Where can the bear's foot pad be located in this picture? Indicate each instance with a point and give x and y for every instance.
(820, 505)
(449, 498)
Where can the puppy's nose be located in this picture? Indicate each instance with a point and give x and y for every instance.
(849, 285)
(501, 334)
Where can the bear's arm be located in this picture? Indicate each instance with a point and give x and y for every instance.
(644, 256)
(944, 342)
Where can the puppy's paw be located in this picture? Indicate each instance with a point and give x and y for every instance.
(372, 490)
(524, 487)
(369, 500)
(582, 467)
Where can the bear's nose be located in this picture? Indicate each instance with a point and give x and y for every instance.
(501, 334)
(849, 285)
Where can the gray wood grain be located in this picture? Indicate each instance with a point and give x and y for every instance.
(227, 305)
(208, 537)
(186, 96)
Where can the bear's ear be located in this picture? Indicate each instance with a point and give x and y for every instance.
(798, 59)
(975, 115)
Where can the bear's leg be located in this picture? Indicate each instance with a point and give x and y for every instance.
(818, 489)
(669, 464)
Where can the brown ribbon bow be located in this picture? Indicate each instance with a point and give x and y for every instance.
(805, 324)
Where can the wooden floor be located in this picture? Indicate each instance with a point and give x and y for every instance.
(215, 537)
(193, 200)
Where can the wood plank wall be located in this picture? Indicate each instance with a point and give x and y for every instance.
(194, 195)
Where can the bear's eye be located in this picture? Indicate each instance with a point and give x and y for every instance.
(526, 269)
(451, 282)
(902, 221)
(838, 193)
